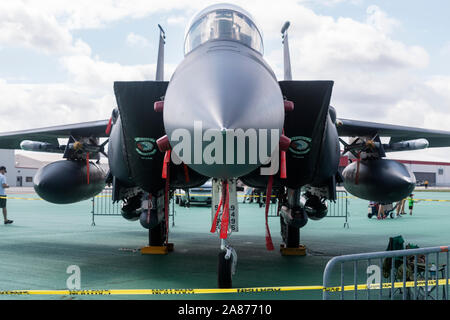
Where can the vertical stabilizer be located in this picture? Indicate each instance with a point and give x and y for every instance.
(160, 63)
(287, 57)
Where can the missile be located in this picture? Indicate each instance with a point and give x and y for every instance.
(38, 146)
(416, 144)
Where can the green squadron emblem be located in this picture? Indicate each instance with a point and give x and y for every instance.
(145, 147)
(300, 146)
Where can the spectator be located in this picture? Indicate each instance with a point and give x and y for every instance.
(400, 207)
(411, 203)
(381, 215)
(248, 191)
(3, 186)
(373, 209)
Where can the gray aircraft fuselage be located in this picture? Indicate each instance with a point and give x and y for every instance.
(225, 85)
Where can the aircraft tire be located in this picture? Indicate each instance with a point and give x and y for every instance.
(224, 271)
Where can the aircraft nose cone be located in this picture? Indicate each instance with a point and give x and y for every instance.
(215, 96)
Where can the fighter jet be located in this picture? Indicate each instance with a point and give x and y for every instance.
(224, 115)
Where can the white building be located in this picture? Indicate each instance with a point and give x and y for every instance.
(436, 173)
(20, 169)
(7, 160)
(26, 168)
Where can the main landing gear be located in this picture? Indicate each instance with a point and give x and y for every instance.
(153, 218)
(292, 218)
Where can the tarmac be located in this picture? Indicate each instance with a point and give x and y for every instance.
(45, 239)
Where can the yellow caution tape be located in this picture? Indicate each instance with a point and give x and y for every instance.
(19, 198)
(209, 195)
(215, 291)
(375, 286)
(415, 199)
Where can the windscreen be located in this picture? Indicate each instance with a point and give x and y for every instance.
(223, 24)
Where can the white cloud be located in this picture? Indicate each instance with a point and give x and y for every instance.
(335, 2)
(93, 73)
(373, 73)
(177, 20)
(87, 95)
(136, 40)
(88, 14)
(34, 105)
(379, 19)
(445, 50)
(24, 26)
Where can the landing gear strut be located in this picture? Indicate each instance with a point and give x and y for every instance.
(292, 218)
(226, 266)
(289, 234)
(224, 224)
(157, 235)
(153, 218)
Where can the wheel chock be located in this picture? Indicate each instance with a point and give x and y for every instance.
(300, 251)
(157, 249)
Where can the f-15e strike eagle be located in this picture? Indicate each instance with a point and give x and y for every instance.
(224, 115)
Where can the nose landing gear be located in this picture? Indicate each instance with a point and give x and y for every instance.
(226, 265)
(225, 221)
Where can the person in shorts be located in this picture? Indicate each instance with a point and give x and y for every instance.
(3, 186)
(411, 203)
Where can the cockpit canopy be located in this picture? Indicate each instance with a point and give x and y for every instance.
(223, 22)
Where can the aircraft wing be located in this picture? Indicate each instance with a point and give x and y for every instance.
(12, 140)
(355, 128)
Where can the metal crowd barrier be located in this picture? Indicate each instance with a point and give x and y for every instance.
(102, 205)
(339, 209)
(414, 274)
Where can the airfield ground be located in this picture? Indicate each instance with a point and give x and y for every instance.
(45, 239)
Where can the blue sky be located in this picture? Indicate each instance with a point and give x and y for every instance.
(389, 59)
